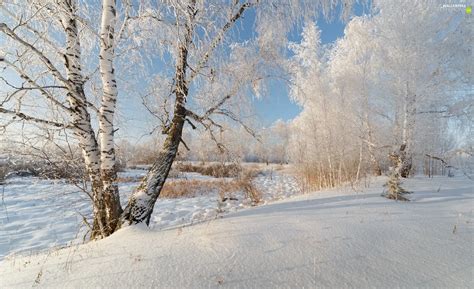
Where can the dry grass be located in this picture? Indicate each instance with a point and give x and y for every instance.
(242, 181)
(191, 188)
(217, 170)
(128, 179)
(246, 185)
(188, 188)
(225, 188)
(316, 176)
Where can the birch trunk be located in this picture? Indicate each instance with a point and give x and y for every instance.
(376, 170)
(106, 115)
(405, 151)
(80, 116)
(141, 202)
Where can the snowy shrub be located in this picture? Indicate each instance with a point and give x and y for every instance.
(246, 185)
(393, 185)
(43, 169)
(394, 189)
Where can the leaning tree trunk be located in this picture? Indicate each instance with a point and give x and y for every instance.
(141, 203)
(106, 115)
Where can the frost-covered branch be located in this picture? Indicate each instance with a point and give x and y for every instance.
(23, 116)
(40, 35)
(55, 72)
(218, 38)
(35, 86)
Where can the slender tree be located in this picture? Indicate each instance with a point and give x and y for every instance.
(393, 85)
(54, 58)
(196, 31)
(106, 113)
(41, 49)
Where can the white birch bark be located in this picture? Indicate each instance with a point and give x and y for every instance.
(80, 116)
(408, 127)
(106, 112)
(376, 170)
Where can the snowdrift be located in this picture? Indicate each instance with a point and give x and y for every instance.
(332, 239)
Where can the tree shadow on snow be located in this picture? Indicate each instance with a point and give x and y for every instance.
(367, 201)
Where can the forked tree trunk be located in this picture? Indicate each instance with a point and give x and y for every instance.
(81, 120)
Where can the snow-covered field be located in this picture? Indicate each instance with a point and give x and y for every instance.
(38, 214)
(338, 238)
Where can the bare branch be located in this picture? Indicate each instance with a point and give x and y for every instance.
(235, 118)
(32, 119)
(217, 39)
(9, 32)
(35, 85)
(40, 35)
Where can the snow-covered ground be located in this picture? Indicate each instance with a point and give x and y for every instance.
(340, 238)
(38, 214)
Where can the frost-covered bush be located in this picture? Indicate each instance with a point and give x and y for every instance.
(43, 169)
(394, 189)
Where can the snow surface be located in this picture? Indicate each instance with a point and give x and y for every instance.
(340, 238)
(38, 214)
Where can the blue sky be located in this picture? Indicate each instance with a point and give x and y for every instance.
(274, 106)
(277, 105)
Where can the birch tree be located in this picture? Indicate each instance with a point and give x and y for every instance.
(106, 113)
(352, 68)
(194, 32)
(208, 71)
(421, 47)
(385, 94)
(186, 20)
(55, 68)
